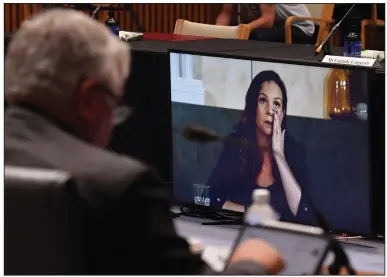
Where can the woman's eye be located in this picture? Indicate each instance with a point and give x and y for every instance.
(262, 100)
(277, 104)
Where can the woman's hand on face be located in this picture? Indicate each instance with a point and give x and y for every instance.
(278, 137)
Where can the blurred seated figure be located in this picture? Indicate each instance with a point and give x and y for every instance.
(267, 21)
(64, 80)
(43, 222)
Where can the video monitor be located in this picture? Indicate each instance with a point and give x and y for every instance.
(299, 131)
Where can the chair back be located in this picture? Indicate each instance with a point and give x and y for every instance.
(368, 37)
(325, 28)
(42, 233)
(325, 12)
(185, 27)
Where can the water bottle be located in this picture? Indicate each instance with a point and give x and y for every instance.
(260, 210)
(112, 23)
(352, 43)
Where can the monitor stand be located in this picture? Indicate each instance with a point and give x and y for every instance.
(217, 218)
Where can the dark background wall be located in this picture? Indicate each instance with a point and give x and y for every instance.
(154, 17)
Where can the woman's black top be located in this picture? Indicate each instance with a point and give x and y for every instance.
(234, 179)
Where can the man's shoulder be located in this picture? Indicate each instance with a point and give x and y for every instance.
(102, 171)
(96, 171)
(112, 164)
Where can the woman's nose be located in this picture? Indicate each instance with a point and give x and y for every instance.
(270, 109)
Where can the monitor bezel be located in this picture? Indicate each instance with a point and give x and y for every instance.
(312, 63)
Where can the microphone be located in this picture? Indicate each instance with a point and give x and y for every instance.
(332, 32)
(203, 135)
(200, 134)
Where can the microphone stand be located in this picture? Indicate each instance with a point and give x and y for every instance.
(95, 12)
(324, 46)
(202, 135)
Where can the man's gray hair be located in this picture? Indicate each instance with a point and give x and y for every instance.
(54, 50)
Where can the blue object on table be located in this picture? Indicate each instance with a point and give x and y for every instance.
(112, 23)
(352, 44)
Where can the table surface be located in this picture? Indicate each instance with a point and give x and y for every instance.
(365, 255)
(233, 48)
(171, 37)
(245, 49)
(164, 42)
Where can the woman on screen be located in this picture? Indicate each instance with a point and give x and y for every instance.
(276, 163)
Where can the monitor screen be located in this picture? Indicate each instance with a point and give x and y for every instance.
(299, 131)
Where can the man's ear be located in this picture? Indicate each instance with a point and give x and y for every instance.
(84, 97)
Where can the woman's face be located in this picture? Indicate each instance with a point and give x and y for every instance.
(269, 101)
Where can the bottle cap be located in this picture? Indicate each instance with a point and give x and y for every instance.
(261, 196)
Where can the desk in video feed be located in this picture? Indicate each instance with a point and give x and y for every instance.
(324, 149)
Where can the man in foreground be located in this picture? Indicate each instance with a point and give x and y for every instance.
(64, 80)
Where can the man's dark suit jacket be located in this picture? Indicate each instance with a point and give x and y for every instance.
(129, 229)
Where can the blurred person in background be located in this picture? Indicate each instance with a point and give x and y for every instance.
(267, 21)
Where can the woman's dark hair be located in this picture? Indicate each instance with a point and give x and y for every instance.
(246, 128)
